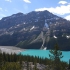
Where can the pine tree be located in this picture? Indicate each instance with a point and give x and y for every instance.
(56, 55)
(1, 60)
(20, 59)
(69, 64)
(27, 65)
(35, 64)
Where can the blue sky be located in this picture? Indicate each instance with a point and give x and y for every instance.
(57, 7)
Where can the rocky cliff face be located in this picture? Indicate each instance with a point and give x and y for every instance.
(35, 30)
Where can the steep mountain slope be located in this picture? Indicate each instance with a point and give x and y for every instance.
(35, 30)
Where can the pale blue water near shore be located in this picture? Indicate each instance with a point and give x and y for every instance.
(45, 54)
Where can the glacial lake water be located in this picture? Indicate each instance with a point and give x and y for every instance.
(45, 54)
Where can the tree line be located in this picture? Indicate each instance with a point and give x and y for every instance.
(15, 61)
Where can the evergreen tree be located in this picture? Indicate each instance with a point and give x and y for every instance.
(20, 59)
(35, 64)
(1, 59)
(56, 55)
(27, 65)
(69, 64)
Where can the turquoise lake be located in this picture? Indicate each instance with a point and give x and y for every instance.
(45, 54)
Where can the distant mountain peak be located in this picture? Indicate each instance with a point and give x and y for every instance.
(37, 27)
(18, 14)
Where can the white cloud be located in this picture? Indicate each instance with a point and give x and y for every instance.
(27, 1)
(25, 6)
(62, 2)
(41, 9)
(9, 0)
(0, 18)
(67, 17)
(2, 15)
(61, 10)
(6, 10)
(1, 9)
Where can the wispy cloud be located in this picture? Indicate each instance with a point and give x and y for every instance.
(0, 18)
(2, 15)
(67, 17)
(17, 10)
(62, 10)
(27, 1)
(6, 10)
(62, 2)
(8, 0)
(41, 9)
(25, 6)
(1, 9)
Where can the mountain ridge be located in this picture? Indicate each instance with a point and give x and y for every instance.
(24, 30)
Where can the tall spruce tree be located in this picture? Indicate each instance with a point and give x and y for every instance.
(69, 64)
(55, 56)
(1, 60)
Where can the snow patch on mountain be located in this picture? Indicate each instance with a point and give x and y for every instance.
(13, 16)
(5, 19)
(45, 48)
(32, 27)
(46, 25)
(55, 24)
(18, 25)
(36, 20)
(67, 36)
(55, 37)
(24, 23)
(10, 27)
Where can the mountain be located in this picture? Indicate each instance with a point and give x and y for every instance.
(35, 30)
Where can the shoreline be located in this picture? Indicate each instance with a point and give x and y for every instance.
(11, 49)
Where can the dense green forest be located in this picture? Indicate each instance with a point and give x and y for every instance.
(19, 62)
